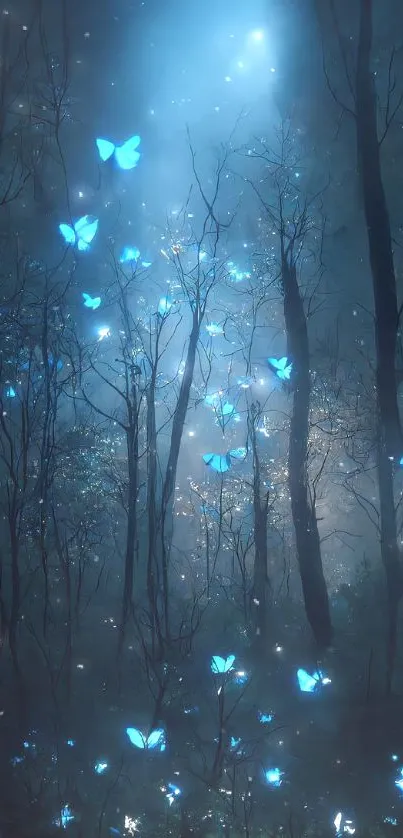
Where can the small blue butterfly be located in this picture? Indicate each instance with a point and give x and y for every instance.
(274, 776)
(81, 233)
(132, 254)
(234, 742)
(225, 413)
(282, 368)
(51, 361)
(214, 329)
(401, 461)
(126, 155)
(66, 817)
(10, 392)
(154, 742)
(220, 666)
(265, 718)
(173, 793)
(100, 767)
(91, 302)
(235, 274)
(164, 306)
(218, 462)
(310, 683)
(399, 781)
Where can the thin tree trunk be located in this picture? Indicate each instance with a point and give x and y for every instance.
(260, 507)
(302, 507)
(390, 441)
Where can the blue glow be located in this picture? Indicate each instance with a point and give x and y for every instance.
(401, 461)
(235, 274)
(10, 392)
(125, 155)
(311, 683)
(213, 399)
(66, 817)
(173, 793)
(226, 413)
(100, 767)
(154, 742)
(129, 254)
(214, 329)
(70, 742)
(218, 462)
(265, 718)
(234, 742)
(164, 306)
(220, 666)
(82, 232)
(281, 367)
(391, 820)
(274, 776)
(91, 302)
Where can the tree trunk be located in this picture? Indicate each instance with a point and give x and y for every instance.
(390, 441)
(302, 507)
(260, 506)
(168, 488)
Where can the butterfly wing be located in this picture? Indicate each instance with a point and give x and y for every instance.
(126, 155)
(275, 363)
(136, 737)
(307, 683)
(217, 664)
(85, 229)
(217, 462)
(68, 233)
(105, 149)
(156, 740)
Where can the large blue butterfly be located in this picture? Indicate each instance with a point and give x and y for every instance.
(220, 666)
(282, 367)
(154, 742)
(310, 683)
(125, 155)
(91, 302)
(81, 233)
(222, 462)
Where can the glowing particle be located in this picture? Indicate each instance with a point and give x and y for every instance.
(104, 332)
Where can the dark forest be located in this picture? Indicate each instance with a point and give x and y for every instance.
(201, 443)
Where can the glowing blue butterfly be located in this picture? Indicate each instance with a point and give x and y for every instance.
(173, 793)
(66, 817)
(164, 306)
(399, 781)
(132, 254)
(126, 155)
(310, 683)
(214, 329)
(218, 462)
(10, 392)
(265, 718)
(226, 413)
(401, 461)
(100, 767)
(82, 232)
(91, 302)
(234, 742)
(281, 367)
(220, 666)
(154, 742)
(274, 776)
(70, 742)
